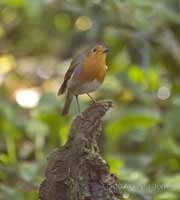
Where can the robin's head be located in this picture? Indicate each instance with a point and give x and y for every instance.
(98, 53)
(99, 50)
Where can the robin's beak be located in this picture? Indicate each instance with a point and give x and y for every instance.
(105, 50)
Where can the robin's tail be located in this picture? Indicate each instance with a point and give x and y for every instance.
(62, 88)
(67, 104)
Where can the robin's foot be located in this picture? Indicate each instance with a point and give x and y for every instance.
(78, 106)
(93, 100)
(81, 115)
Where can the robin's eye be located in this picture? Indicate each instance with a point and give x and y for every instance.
(94, 50)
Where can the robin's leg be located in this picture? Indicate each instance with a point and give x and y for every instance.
(77, 101)
(93, 100)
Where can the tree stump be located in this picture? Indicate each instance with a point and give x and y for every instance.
(76, 171)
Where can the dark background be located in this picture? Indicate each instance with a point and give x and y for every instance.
(141, 136)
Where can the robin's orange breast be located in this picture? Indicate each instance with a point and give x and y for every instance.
(94, 68)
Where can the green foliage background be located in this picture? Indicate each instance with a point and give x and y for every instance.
(141, 137)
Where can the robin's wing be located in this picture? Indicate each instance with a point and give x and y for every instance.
(74, 67)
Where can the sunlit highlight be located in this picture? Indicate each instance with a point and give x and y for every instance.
(27, 98)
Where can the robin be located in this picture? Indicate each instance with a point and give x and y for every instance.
(85, 74)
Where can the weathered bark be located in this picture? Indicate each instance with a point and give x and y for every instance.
(76, 171)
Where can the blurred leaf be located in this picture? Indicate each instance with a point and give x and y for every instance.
(152, 79)
(172, 120)
(172, 183)
(63, 133)
(115, 165)
(136, 74)
(28, 171)
(15, 3)
(166, 195)
(132, 119)
(62, 22)
(34, 128)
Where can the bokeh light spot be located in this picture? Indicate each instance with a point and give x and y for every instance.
(83, 23)
(163, 93)
(27, 98)
(7, 63)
